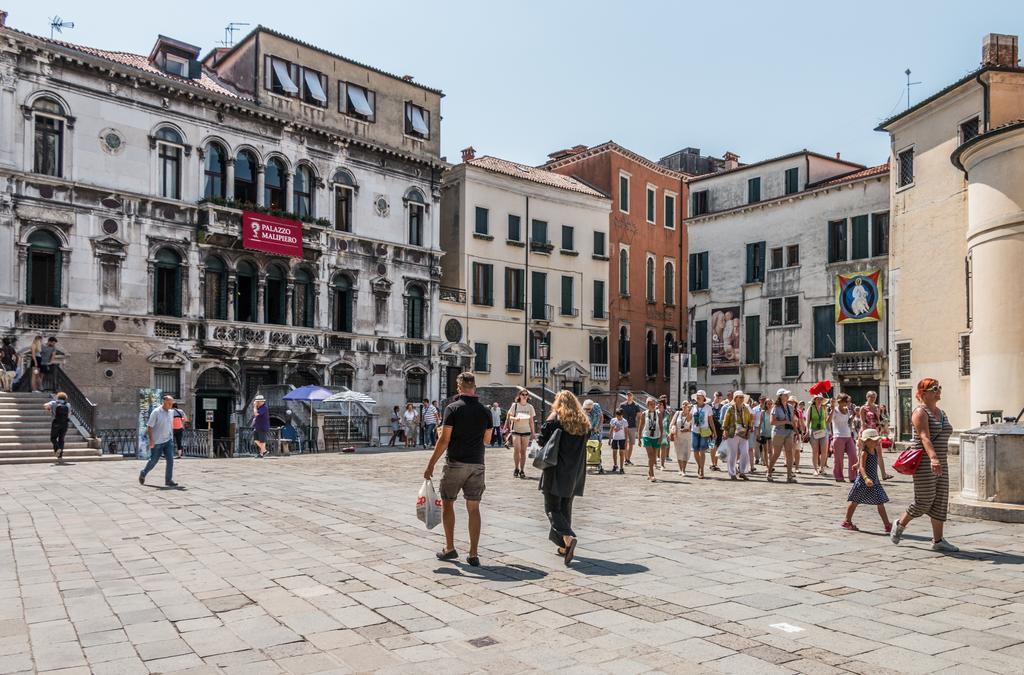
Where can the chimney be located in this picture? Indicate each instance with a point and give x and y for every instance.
(568, 152)
(732, 160)
(468, 153)
(3, 18)
(407, 78)
(999, 50)
(837, 156)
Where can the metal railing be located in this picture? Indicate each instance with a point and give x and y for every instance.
(129, 442)
(540, 312)
(306, 442)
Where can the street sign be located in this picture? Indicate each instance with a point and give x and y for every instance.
(209, 416)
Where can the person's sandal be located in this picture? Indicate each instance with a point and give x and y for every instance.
(450, 555)
(474, 561)
(570, 550)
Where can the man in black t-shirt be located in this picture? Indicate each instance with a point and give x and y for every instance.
(465, 430)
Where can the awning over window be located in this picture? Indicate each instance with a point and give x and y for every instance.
(281, 72)
(313, 85)
(357, 99)
(419, 125)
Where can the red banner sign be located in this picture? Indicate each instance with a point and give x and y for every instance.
(271, 234)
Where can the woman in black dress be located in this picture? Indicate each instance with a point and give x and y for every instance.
(564, 481)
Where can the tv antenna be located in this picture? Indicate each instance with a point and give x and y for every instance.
(58, 24)
(909, 85)
(229, 33)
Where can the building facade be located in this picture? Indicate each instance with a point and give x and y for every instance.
(647, 244)
(265, 215)
(525, 270)
(770, 244)
(956, 192)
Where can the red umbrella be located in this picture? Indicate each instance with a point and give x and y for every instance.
(821, 388)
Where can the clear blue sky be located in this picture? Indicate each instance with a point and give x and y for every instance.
(525, 78)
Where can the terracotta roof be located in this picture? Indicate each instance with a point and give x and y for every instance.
(612, 146)
(852, 176)
(535, 174)
(790, 155)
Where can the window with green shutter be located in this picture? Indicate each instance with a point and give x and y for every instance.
(755, 262)
(567, 308)
(651, 195)
(599, 299)
(483, 284)
(624, 194)
(860, 337)
(824, 331)
(880, 234)
(699, 271)
(670, 211)
(754, 190)
(482, 226)
(752, 339)
(860, 238)
(480, 361)
(701, 343)
(836, 240)
(567, 238)
(513, 228)
(792, 180)
(599, 243)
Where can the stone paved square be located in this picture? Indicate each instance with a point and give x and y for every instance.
(317, 564)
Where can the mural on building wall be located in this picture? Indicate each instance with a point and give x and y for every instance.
(725, 341)
(859, 297)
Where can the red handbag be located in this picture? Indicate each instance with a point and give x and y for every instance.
(908, 461)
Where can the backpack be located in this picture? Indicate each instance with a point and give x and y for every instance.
(61, 411)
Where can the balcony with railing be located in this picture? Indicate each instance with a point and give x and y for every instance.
(538, 368)
(540, 312)
(599, 372)
(857, 363)
(569, 311)
(222, 223)
(272, 337)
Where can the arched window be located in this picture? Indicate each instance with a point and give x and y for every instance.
(274, 297)
(245, 177)
(344, 196)
(275, 180)
(170, 147)
(652, 354)
(303, 299)
(167, 283)
(670, 348)
(623, 272)
(623, 350)
(343, 304)
(48, 119)
(415, 310)
(415, 385)
(599, 350)
(245, 292)
(650, 279)
(213, 170)
(417, 206)
(304, 192)
(343, 376)
(216, 289)
(43, 269)
(670, 283)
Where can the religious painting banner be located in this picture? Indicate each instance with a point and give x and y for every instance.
(271, 234)
(859, 297)
(725, 341)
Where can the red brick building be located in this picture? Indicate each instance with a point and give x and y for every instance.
(648, 261)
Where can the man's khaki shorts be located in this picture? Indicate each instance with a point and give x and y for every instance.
(469, 478)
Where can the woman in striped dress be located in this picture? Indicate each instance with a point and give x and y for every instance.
(931, 480)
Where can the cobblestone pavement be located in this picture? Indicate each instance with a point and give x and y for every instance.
(318, 564)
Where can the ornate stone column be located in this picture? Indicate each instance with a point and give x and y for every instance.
(229, 178)
(289, 192)
(261, 288)
(260, 185)
(231, 296)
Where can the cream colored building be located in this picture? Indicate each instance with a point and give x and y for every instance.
(957, 191)
(526, 262)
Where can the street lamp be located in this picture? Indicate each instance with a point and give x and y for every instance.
(542, 354)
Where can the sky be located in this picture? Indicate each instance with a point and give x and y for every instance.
(523, 79)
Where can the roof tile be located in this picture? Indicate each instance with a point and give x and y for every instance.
(535, 174)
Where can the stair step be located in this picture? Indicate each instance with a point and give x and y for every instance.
(51, 460)
(48, 452)
(6, 446)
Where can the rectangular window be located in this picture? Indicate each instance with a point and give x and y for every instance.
(356, 101)
(792, 310)
(515, 288)
(624, 193)
(567, 238)
(482, 226)
(483, 289)
(792, 180)
(699, 271)
(777, 260)
(281, 76)
(539, 232)
(480, 361)
(49, 146)
(699, 203)
(824, 331)
(860, 337)
(905, 162)
(417, 121)
(651, 197)
(599, 299)
(836, 240)
(880, 234)
(969, 129)
(670, 211)
(792, 255)
(775, 312)
(567, 308)
(701, 343)
(752, 340)
(965, 354)
(861, 249)
(167, 380)
(755, 262)
(754, 190)
(514, 233)
(314, 87)
(513, 365)
(539, 296)
(792, 366)
(342, 209)
(903, 365)
(599, 243)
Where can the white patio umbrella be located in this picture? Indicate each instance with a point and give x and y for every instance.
(350, 397)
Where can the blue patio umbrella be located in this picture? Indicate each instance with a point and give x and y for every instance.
(309, 393)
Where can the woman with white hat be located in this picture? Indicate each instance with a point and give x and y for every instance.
(737, 423)
(783, 434)
(679, 433)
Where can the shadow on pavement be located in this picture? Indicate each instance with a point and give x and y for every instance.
(493, 572)
(994, 557)
(605, 568)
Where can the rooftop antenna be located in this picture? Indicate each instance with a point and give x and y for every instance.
(909, 85)
(58, 24)
(229, 33)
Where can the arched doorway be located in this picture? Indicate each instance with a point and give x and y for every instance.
(215, 393)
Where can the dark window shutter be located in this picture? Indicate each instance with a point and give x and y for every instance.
(195, 70)
(753, 339)
(176, 310)
(701, 340)
(704, 270)
(824, 331)
(860, 237)
(762, 250)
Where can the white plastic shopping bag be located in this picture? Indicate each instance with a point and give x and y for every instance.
(428, 505)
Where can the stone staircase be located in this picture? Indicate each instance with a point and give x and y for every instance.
(25, 433)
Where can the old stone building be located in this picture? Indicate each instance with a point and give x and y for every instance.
(266, 214)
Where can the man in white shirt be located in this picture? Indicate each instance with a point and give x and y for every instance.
(431, 417)
(160, 432)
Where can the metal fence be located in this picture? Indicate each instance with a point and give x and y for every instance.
(277, 444)
(126, 442)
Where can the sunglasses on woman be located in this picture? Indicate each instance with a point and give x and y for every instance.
(935, 388)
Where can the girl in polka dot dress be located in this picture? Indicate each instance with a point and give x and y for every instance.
(867, 489)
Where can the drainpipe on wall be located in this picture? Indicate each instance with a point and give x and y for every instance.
(984, 101)
(526, 299)
(256, 73)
